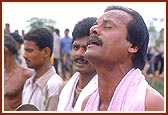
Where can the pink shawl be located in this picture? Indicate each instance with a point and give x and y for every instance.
(128, 96)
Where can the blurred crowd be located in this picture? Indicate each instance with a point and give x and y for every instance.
(61, 58)
(155, 56)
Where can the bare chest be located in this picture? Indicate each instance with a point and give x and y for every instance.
(12, 85)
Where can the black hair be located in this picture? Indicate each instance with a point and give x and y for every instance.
(82, 28)
(57, 31)
(17, 37)
(10, 44)
(137, 34)
(7, 25)
(66, 30)
(42, 37)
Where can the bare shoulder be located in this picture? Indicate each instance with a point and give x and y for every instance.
(154, 100)
(27, 73)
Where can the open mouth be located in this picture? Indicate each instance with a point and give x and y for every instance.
(94, 40)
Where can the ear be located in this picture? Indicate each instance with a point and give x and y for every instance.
(133, 49)
(5, 49)
(46, 52)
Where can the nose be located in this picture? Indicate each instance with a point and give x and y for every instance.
(80, 52)
(24, 55)
(94, 30)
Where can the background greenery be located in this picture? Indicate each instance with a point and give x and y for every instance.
(157, 83)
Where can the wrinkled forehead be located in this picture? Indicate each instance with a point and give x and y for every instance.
(116, 15)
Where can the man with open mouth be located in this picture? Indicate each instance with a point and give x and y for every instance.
(117, 49)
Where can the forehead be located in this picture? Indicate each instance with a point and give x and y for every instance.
(81, 41)
(116, 15)
(30, 44)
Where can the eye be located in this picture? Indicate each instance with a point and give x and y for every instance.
(29, 50)
(107, 25)
(84, 47)
(75, 47)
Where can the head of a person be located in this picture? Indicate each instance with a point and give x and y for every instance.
(16, 31)
(7, 25)
(38, 46)
(18, 39)
(119, 35)
(66, 32)
(23, 32)
(57, 31)
(7, 28)
(80, 36)
(10, 47)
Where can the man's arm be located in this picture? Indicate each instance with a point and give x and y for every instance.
(154, 100)
(52, 103)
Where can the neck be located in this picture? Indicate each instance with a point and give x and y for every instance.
(108, 80)
(84, 79)
(43, 69)
(10, 63)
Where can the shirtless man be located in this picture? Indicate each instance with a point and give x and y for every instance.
(14, 75)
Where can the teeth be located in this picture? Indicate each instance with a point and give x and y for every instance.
(94, 42)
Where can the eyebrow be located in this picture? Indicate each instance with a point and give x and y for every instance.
(109, 21)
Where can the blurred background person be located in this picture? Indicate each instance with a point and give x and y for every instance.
(14, 75)
(7, 28)
(19, 43)
(65, 51)
(159, 55)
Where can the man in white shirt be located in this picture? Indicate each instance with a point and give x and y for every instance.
(43, 87)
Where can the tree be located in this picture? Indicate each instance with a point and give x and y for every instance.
(151, 27)
(38, 23)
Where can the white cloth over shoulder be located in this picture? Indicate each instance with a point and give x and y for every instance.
(67, 94)
(128, 96)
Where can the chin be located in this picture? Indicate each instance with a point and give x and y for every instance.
(90, 55)
(93, 57)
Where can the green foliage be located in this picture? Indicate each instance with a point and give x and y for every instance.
(152, 26)
(38, 23)
(157, 84)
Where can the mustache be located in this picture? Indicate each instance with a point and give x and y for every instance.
(95, 39)
(81, 59)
